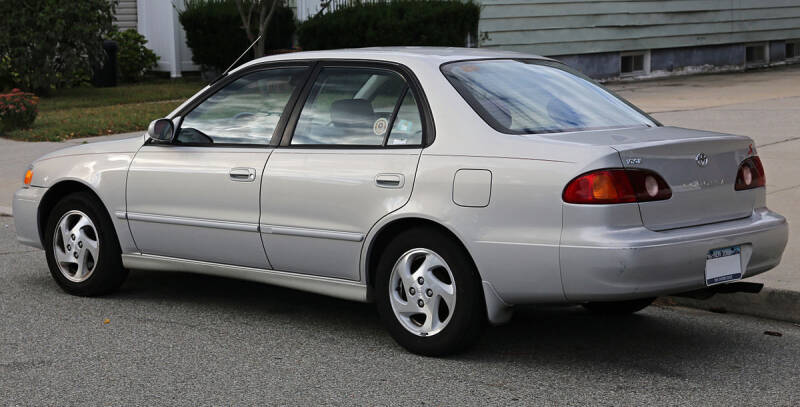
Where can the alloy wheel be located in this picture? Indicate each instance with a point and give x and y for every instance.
(76, 246)
(422, 292)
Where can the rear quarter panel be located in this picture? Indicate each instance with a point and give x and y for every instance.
(514, 240)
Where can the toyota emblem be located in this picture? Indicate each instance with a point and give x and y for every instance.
(701, 159)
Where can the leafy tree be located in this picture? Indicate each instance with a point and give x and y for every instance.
(216, 36)
(45, 44)
(262, 10)
(401, 22)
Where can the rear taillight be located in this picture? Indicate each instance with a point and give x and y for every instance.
(750, 174)
(616, 185)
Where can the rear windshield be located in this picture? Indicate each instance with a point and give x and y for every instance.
(520, 97)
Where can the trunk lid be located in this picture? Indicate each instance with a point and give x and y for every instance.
(700, 168)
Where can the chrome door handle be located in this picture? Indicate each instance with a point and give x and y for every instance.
(390, 180)
(243, 174)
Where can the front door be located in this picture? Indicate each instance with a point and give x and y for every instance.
(347, 159)
(198, 197)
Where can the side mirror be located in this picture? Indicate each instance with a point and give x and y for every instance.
(161, 130)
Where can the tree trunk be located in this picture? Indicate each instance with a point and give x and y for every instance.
(263, 23)
(264, 17)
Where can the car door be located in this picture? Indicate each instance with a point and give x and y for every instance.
(198, 197)
(348, 157)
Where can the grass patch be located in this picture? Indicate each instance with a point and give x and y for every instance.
(65, 124)
(88, 112)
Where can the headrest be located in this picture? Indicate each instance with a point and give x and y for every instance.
(352, 113)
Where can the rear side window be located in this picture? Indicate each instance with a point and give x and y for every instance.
(519, 97)
(359, 107)
(407, 126)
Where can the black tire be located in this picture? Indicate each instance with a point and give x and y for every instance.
(618, 307)
(108, 273)
(469, 317)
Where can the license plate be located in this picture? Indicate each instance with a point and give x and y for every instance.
(723, 265)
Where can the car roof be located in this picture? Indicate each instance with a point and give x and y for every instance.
(424, 55)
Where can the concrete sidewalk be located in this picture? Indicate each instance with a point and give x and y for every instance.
(764, 105)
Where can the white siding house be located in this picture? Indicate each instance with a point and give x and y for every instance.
(158, 21)
(602, 38)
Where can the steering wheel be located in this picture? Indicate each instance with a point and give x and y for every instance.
(241, 115)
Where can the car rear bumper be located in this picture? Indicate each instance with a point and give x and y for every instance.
(25, 208)
(637, 262)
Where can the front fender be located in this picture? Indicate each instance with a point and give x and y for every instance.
(104, 174)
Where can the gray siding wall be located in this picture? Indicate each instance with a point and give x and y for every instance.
(126, 15)
(569, 27)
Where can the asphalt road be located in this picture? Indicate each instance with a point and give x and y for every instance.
(182, 339)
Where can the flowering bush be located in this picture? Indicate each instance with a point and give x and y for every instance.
(18, 110)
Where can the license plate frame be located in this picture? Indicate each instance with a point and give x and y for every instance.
(723, 265)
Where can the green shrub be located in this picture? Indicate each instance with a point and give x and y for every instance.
(216, 37)
(46, 44)
(133, 58)
(18, 110)
(401, 22)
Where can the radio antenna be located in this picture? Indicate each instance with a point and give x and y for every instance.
(236, 61)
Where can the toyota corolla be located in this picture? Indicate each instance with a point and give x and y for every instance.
(444, 185)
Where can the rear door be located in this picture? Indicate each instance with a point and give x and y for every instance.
(348, 158)
(198, 197)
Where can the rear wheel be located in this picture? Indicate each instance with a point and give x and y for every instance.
(82, 249)
(428, 293)
(619, 307)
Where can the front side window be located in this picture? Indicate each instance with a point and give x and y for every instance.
(359, 107)
(519, 97)
(246, 111)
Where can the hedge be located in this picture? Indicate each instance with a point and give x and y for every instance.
(401, 22)
(215, 35)
(48, 44)
(134, 58)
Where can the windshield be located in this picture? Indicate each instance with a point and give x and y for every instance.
(516, 96)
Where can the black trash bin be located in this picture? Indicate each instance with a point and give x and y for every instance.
(106, 74)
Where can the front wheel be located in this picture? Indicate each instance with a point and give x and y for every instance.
(619, 307)
(428, 293)
(82, 249)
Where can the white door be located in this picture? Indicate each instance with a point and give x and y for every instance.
(198, 197)
(347, 159)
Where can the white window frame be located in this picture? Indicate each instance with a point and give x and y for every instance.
(765, 61)
(645, 66)
(796, 43)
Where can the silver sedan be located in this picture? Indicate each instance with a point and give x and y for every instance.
(445, 185)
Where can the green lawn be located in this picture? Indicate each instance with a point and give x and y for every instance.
(88, 111)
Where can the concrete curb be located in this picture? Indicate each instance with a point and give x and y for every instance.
(772, 303)
(5, 211)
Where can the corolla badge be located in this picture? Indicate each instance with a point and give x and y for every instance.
(701, 159)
